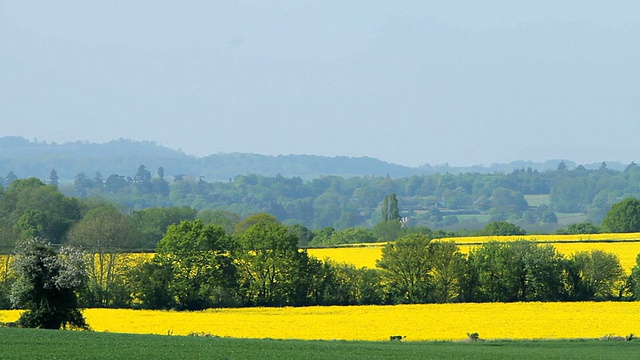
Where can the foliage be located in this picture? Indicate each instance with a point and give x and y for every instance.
(30, 208)
(153, 222)
(227, 220)
(346, 236)
(150, 281)
(7, 278)
(623, 217)
(106, 234)
(447, 270)
(406, 267)
(390, 210)
(203, 273)
(581, 228)
(47, 284)
(249, 221)
(501, 228)
(272, 270)
(595, 274)
(514, 271)
(389, 230)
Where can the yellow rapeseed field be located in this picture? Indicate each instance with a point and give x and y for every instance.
(416, 322)
(357, 256)
(367, 256)
(545, 238)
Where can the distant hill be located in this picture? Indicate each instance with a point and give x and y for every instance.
(27, 158)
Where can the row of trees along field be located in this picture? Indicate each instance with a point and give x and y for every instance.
(213, 259)
(440, 201)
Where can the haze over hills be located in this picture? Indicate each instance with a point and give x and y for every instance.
(27, 158)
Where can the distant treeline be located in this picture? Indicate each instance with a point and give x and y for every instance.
(34, 158)
(439, 201)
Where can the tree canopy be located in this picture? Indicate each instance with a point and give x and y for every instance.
(47, 285)
(623, 217)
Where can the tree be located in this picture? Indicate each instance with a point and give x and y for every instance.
(389, 230)
(346, 236)
(81, 184)
(514, 271)
(623, 217)
(106, 235)
(581, 228)
(506, 202)
(502, 228)
(249, 221)
(549, 217)
(273, 271)
(406, 266)
(343, 284)
(115, 183)
(152, 223)
(562, 166)
(303, 233)
(53, 177)
(634, 279)
(594, 274)
(7, 278)
(150, 282)
(142, 180)
(203, 273)
(447, 267)
(327, 208)
(390, 210)
(225, 219)
(47, 284)
(31, 207)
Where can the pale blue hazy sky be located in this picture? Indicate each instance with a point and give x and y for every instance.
(410, 82)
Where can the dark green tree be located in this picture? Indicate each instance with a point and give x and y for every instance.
(502, 228)
(390, 209)
(150, 283)
(623, 217)
(389, 230)
(303, 233)
(31, 207)
(447, 264)
(152, 223)
(273, 271)
(581, 228)
(514, 271)
(249, 221)
(202, 268)
(406, 269)
(634, 279)
(595, 274)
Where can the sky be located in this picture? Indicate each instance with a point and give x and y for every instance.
(409, 82)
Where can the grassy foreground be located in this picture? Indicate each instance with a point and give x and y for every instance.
(67, 345)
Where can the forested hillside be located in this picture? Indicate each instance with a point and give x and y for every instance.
(33, 158)
(26, 158)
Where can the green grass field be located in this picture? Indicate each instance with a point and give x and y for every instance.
(67, 345)
(571, 218)
(537, 200)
